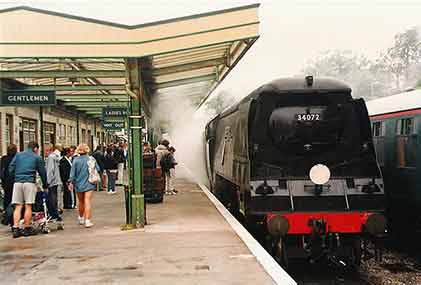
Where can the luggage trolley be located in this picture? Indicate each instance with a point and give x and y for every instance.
(153, 180)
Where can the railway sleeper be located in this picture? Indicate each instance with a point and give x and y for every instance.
(373, 247)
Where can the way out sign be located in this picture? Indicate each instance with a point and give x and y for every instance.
(113, 126)
(113, 112)
(32, 98)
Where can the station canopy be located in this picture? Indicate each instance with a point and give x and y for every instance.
(91, 63)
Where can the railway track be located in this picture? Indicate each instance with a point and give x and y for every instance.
(401, 265)
(397, 268)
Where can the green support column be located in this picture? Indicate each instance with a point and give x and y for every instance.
(135, 91)
(129, 170)
(137, 203)
(94, 136)
(77, 129)
(41, 119)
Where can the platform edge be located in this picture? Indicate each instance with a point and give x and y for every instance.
(275, 271)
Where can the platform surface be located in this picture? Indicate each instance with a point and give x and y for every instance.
(187, 241)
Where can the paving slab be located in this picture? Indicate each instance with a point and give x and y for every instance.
(186, 242)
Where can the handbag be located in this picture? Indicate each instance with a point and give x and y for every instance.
(94, 177)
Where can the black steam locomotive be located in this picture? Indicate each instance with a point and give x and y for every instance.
(295, 160)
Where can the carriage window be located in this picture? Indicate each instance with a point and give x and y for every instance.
(405, 126)
(378, 129)
(406, 143)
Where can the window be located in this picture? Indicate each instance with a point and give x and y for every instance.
(405, 126)
(29, 131)
(49, 133)
(62, 133)
(69, 137)
(72, 138)
(89, 139)
(378, 129)
(9, 130)
(83, 136)
(406, 143)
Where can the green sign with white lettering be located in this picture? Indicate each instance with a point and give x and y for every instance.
(113, 126)
(32, 98)
(113, 113)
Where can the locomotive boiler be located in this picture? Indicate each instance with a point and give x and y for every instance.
(294, 161)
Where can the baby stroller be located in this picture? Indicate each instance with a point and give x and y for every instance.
(3, 214)
(41, 219)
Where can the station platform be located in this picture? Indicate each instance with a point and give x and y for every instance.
(186, 241)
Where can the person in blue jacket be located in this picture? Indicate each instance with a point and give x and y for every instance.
(24, 168)
(79, 178)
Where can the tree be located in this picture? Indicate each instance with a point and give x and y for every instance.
(352, 68)
(399, 65)
(402, 56)
(336, 63)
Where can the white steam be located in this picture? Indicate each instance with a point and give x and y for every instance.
(185, 126)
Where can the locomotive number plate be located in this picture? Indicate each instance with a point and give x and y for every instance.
(308, 117)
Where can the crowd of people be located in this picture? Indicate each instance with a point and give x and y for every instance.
(69, 176)
(111, 160)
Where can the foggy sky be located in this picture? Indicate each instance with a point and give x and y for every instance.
(292, 32)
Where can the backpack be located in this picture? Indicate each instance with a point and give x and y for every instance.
(93, 173)
(166, 162)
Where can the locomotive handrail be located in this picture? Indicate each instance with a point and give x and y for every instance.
(291, 199)
(208, 165)
(346, 198)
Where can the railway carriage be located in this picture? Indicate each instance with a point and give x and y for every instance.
(396, 128)
(294, 161)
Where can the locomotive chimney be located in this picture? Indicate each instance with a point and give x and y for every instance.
(309, 80)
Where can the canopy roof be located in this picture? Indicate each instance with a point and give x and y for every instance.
(86, 61)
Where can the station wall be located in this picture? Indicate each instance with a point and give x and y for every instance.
(19, 125)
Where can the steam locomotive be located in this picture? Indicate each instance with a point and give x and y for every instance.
(295, 160)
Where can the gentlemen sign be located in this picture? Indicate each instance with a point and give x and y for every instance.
(113, 126)
(33, 98)
(113, 112)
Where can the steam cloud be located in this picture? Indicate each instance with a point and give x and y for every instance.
(186, 126)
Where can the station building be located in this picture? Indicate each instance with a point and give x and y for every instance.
(19, 125)
(90, 64)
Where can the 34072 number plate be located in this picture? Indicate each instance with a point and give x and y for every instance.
(308, 117)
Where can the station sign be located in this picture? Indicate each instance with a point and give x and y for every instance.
(114, 112)
(27, 98)
(113, 126)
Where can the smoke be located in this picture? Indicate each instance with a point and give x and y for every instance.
(178, 117)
